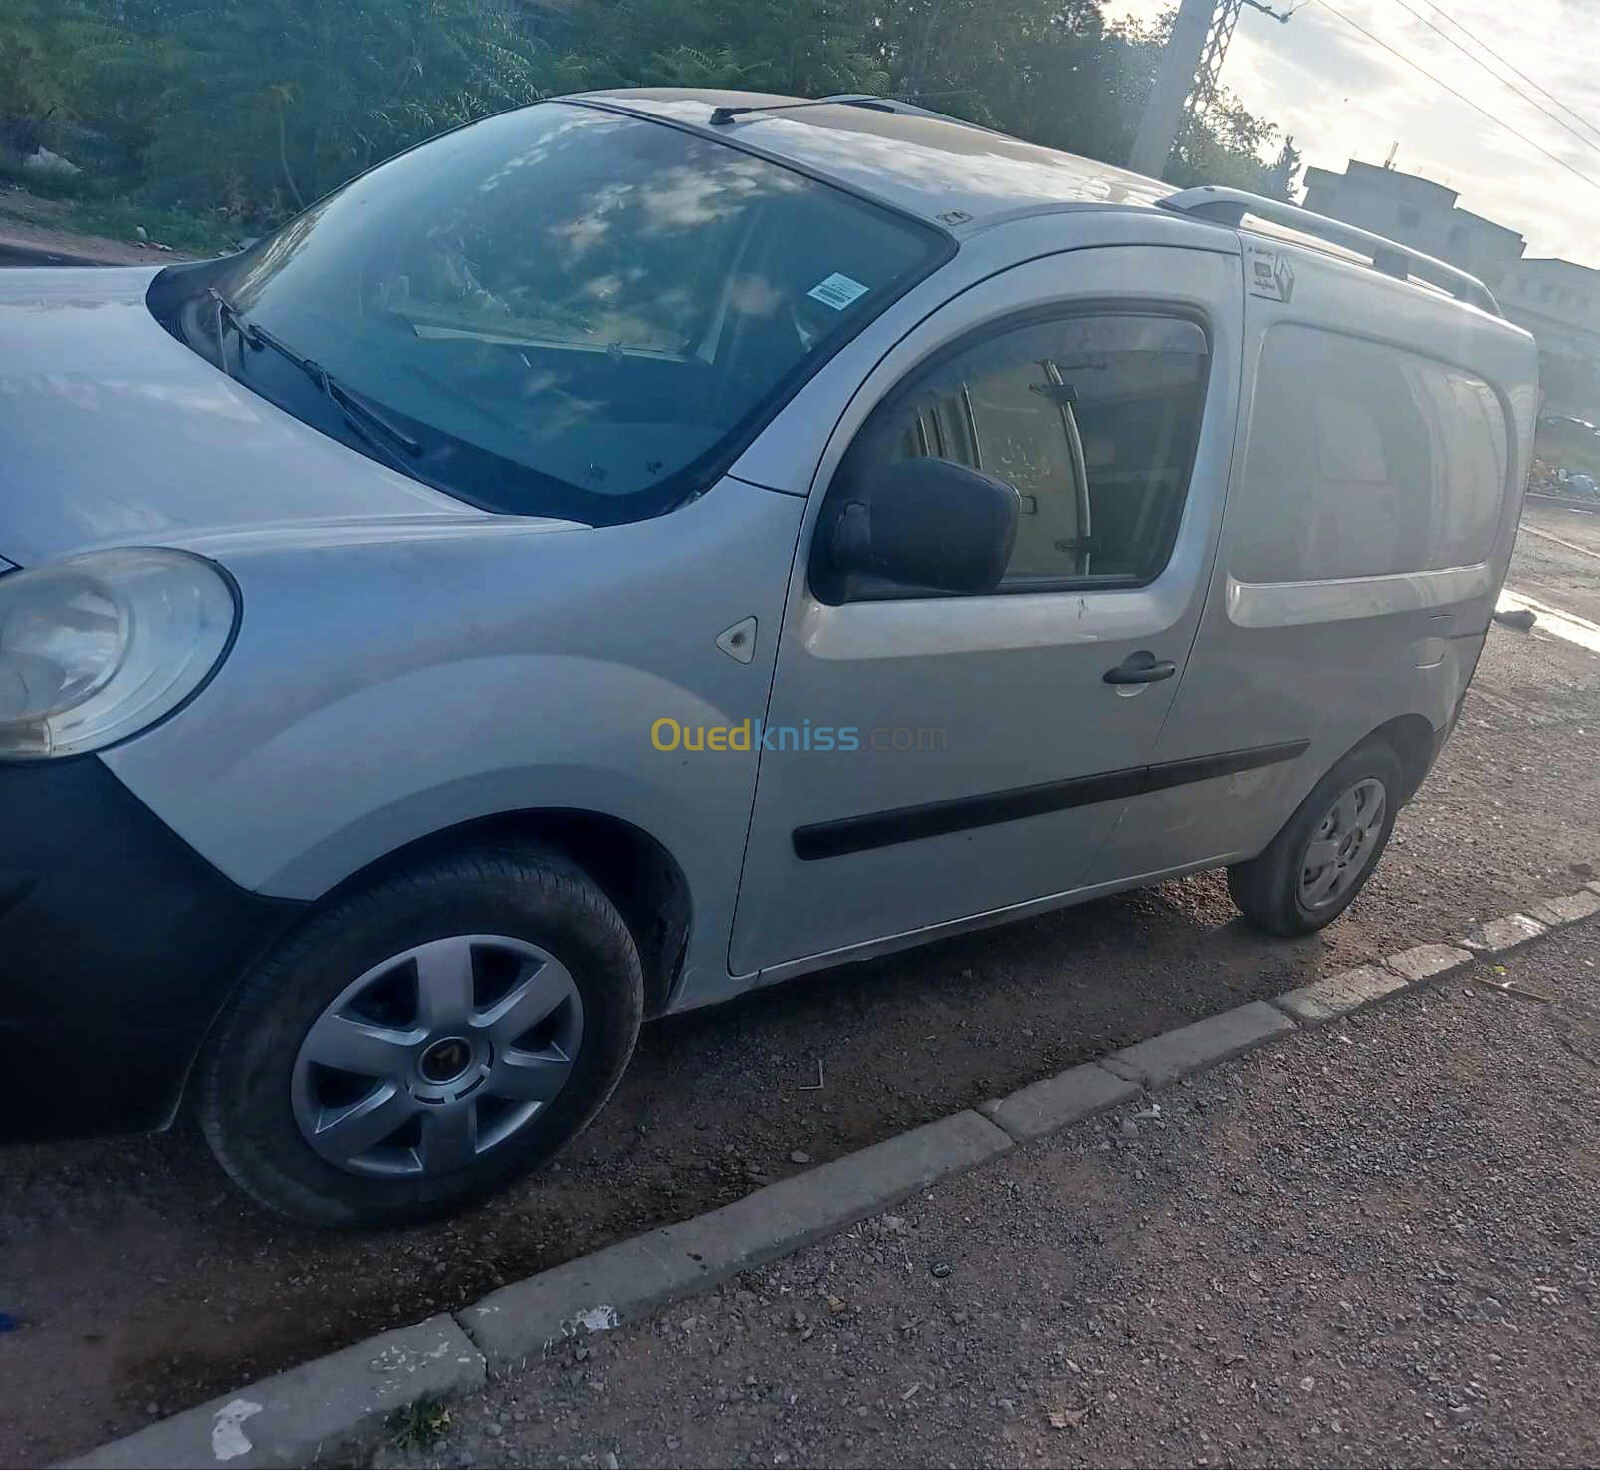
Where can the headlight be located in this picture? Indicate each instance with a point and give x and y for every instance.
(96, 647)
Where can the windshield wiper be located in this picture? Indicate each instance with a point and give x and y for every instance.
(361, 416)
(227, 315)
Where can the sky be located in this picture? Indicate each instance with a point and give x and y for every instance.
(1341, 96)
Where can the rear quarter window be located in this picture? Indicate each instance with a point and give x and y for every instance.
(1365, 460)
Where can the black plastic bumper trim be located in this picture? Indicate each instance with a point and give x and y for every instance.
(118, 945)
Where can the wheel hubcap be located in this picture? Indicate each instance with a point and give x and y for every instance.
(437, 1055)
(445, 1060)
(1343, 844)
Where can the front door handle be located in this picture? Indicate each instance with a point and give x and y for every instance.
(1141, 668)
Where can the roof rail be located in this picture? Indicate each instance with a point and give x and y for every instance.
(721, 116)
(1230, 206)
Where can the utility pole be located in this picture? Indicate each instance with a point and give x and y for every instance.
(1164, 111)
(1187, 80)
(1225, 18)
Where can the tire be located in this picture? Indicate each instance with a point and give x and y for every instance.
(1287, 890)
(405, 1002)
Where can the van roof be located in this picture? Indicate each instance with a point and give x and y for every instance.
(964, 177)
(938, 168)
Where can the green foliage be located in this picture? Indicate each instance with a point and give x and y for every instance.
(1222, 145)
(242, 111)
(282, 100)
(182, 229)
(421, 1425)
(801, 47)
(33, 72)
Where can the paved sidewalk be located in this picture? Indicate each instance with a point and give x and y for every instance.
(1375, 1243)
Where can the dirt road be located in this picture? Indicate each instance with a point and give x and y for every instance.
(25, 243)
(1377, 1244)
(147, 1285)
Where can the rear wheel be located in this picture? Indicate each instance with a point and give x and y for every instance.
(422, 1042)
(1327, 850)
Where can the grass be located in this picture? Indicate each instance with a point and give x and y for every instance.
(118, 219)
(419, 1426)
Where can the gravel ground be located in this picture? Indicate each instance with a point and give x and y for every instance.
(147, 1285)
(1374, 1244)
(1549, 571)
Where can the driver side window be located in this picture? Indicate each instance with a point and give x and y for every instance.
(1094, 421)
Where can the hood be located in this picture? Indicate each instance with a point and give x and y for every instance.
(114, 433)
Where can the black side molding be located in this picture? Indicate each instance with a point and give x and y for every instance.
(962, 813)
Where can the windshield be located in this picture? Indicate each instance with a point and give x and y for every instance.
(566, 311)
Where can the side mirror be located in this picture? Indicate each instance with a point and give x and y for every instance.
(924, 523)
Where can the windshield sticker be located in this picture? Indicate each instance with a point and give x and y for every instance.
(837, 291)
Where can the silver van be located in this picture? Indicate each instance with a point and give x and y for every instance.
(650, 545)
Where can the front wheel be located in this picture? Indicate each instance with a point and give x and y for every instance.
(1327, 850)
(424, 1041)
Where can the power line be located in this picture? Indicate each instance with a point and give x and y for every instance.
(1219, 36)
(1460, 96)
(1478, 61)
(1511, 66)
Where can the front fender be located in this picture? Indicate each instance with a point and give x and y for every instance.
(380, 693)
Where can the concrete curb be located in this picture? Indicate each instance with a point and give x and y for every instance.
(1501, 936)
(1069, 1097)
(1174, 1055)
(1557, 913)
(627, 1280)
(326, 1406)
(1339, 995)
(333, 1404)
(1427, 962)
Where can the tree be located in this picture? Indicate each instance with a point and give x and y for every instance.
(1223, 144)
(256, 107)
(292, 97)
(802, 47)
(1282, 176)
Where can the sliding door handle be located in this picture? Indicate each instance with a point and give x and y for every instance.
(1141, 668)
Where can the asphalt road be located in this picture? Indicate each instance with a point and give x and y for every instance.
(1378, 1244)
(1559, 559)
(146, 1284)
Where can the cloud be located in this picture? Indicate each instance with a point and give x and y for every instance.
(1342, 96)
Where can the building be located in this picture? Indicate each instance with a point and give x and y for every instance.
(1556, 300)
(1416, 212)
(1559, 302)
